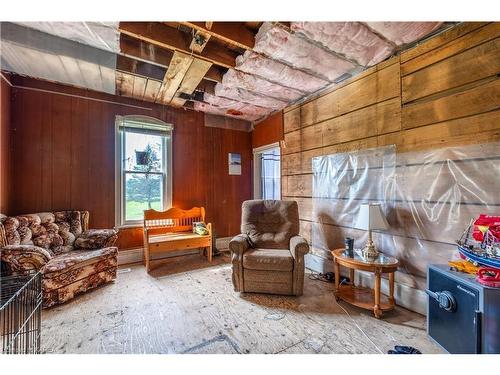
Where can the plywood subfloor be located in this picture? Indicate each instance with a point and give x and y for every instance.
(187, 306)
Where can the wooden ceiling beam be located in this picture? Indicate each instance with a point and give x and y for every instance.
(235, 33)
(170, 38)
(137, 67)
(149, 53)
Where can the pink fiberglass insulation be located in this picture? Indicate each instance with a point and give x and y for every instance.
(351, 39)
(235, 78)
(277, 43)
(242, 95)
(403, 32)
(208, 108)
(275, 71)
(233, 105)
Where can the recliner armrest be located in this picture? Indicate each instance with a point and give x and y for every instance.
(239, 244)
(22, 258)
(298, 246)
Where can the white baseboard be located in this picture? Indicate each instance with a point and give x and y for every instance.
(407, 297)
(222, 244)
(129, 256)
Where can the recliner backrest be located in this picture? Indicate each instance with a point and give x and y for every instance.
(270, 224)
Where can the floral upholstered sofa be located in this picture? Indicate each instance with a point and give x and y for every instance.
(72, 258)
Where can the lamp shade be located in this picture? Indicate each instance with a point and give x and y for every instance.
(371, 217)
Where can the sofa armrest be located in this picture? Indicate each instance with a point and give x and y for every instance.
(298, 246)
(22, 258)
(96, 239)
(239, 244)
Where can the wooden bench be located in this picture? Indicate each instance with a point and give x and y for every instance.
(173, 230)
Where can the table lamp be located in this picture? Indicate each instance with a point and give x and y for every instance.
(370, 217)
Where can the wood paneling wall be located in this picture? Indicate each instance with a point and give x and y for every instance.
(443, 92)
(5, 93)
(268, 131)
(63, 157)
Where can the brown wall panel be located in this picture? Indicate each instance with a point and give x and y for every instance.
(5, 120)
(268, 131)
(64, 157)
(473, 64)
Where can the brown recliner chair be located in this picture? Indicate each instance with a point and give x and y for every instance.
(268, 255)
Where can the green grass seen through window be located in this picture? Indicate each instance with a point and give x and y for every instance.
(134, 210)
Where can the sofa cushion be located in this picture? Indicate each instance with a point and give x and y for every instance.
(268, 259)
(270, 223)
(76, 259)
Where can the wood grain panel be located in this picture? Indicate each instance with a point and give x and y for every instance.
(483, 98)
(5, 146)
(299, 185)
(472, 65)
(376, 119)
(441, 40)
(379, 86)
(268, 131)
(312, 136)
(460, 131)
(292, 142)
(291, 120)
(454, 47)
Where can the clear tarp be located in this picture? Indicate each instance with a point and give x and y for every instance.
(427, 196)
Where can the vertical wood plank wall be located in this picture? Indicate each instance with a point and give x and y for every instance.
(268, 131)
(443, 92)
(63, 156)
(5, 92)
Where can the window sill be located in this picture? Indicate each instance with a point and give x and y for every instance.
(128, 226)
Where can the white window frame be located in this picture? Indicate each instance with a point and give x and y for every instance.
(257, 189)
(120, 139)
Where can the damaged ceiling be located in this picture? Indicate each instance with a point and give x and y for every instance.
(244, 70)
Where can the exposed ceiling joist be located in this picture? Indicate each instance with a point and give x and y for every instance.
(133, 66)
(235, 33)
(147, 52)
(176, 40)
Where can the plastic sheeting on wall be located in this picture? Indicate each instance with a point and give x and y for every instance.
(234, 78)
(428, 198)
(351, 39)
(277, 43)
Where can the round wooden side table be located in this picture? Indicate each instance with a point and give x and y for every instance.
(366, 298)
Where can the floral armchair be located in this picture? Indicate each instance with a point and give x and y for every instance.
(71, 257)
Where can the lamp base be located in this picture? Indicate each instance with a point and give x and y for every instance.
(369, 252)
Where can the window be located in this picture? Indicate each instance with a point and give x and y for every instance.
(144, 165)
(267, 172)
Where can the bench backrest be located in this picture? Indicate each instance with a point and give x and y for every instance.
(172, 220)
